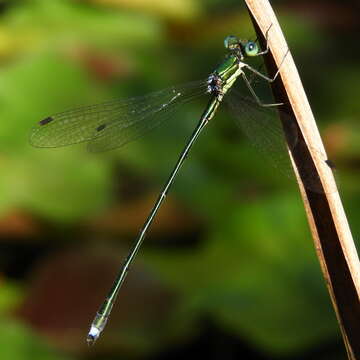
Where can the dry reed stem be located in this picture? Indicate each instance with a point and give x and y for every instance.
(329, 227)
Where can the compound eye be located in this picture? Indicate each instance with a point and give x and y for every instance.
(231, 42)
(251, 48)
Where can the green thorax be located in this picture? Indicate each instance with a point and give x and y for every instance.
(228, 71)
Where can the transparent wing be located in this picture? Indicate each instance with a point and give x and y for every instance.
(265, 130)
(114, 123)
(263, 127)
(157, 108)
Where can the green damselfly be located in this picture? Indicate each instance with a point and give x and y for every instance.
(112, 124)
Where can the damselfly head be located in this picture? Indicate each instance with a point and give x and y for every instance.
(250, 48)
(240, 47)
(231, 42)
(234, 45)
(243, 48)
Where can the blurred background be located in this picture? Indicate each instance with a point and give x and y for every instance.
(228, 269)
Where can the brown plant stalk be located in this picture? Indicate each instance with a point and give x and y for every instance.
(328, 224)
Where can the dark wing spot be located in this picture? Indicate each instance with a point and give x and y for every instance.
(46, 121)
(101, 127)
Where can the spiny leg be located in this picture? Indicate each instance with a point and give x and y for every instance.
(267, 43)
(270, 80)
(254, 94)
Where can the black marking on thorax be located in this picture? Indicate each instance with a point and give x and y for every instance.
(215, 84)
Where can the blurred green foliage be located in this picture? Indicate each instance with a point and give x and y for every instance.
(250, 265)
(18, 342)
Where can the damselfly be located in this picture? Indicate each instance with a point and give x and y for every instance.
(112, 124)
